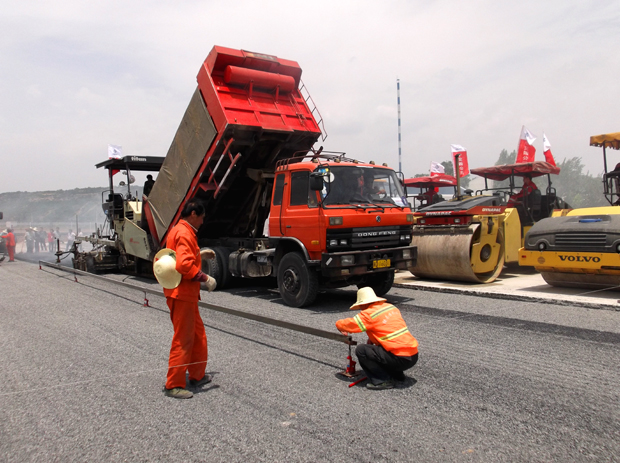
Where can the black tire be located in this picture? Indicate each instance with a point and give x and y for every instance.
(222, 259)
(297, 283)
(218, 267)
(380, 283)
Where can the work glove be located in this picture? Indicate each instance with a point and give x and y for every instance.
(207, 254)
(210, 284)
(201, 276)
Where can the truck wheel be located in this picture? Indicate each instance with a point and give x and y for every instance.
(381, 283)
(218, 267)
(297, 283)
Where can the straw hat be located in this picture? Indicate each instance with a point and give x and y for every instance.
(164, 268)
(365, 296)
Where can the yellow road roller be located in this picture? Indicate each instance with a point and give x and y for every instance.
(470, 238)
(581, 249)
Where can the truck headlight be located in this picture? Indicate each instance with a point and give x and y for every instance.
(347, 260)
(405, 237)
(409, 218)
(333, 242)
(335, 220)
(406, 253)
(343, 242)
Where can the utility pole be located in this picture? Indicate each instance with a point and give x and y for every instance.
(400, 169)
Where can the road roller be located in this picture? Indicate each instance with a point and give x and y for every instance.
(429, 189)
(471, 237)
(581, 248)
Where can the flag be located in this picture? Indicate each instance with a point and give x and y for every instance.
(115, 152)
(526, 152)
(437, 168)
(547, 150)
(462, 160)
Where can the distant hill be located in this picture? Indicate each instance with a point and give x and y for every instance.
(54, 207)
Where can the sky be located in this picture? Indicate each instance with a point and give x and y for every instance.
(78, 75)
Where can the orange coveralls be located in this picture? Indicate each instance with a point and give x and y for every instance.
(10, 245)
(188, 351)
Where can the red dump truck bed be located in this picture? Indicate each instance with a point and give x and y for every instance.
(246, 114)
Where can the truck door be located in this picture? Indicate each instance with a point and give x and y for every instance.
(300, 216)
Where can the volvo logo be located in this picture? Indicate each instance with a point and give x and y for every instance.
(579, 258)
(378, 218)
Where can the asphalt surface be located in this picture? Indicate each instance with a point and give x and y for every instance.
(84, 364)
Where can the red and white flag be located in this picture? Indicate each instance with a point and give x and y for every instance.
(526, 152)
(437, 168)
(461, 152)
(547, 150)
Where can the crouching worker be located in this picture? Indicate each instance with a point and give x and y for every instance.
(178, 270)
(391, 349)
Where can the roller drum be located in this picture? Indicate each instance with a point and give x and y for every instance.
(447, 254)
(582, 280)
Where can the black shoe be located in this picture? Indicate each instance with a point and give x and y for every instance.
(389, 384)
(399, 376)
(206, 379)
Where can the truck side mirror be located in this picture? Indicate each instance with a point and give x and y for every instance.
(316, 181)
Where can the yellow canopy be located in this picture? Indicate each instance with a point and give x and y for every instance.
(611, 140)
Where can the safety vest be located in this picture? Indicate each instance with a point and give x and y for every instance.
(384, 326)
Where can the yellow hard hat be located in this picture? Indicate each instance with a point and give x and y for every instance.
(164, 268)
(365, 296)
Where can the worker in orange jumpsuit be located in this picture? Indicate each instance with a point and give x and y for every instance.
(391, 348)
(188, 352)
(9, 238)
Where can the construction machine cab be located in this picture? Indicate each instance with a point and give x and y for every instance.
(531, 207)
(611, 179)
(429, 189)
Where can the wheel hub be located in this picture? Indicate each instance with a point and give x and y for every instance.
(290, 280)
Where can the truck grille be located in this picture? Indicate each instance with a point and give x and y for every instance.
(584, 240)
(369, 237)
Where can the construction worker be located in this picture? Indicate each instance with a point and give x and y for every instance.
(188, 352)
(528, 187)
(148, 185)
(9, 238)
(391, 349)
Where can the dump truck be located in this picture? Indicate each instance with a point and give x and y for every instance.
(580, 248)
(275, 206)
(470, 238)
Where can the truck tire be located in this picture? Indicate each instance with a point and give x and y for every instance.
(218, 267)
(222, 260)
(297, 283)
(381, 283)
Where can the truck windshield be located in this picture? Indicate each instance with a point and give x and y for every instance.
(353, 185)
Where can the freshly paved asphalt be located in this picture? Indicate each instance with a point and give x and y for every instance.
(84, 364)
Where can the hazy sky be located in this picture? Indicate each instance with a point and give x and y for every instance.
(76, 76)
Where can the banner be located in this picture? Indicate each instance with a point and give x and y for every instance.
(115, 152)
(547, 150)
(462, 162)
(437, 168)
(526, 152)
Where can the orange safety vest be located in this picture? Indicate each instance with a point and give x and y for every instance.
(182, 240)
(384, 326)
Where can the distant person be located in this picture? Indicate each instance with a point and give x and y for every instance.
(427, 197)
(70, 239)
(391, 348)
(9, 238)
(148, 185)
(42, 239)
(29, 237)
(528, 187)
(50, 240)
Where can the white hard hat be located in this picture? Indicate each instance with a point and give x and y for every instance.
(164, 268)
(365, 296)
